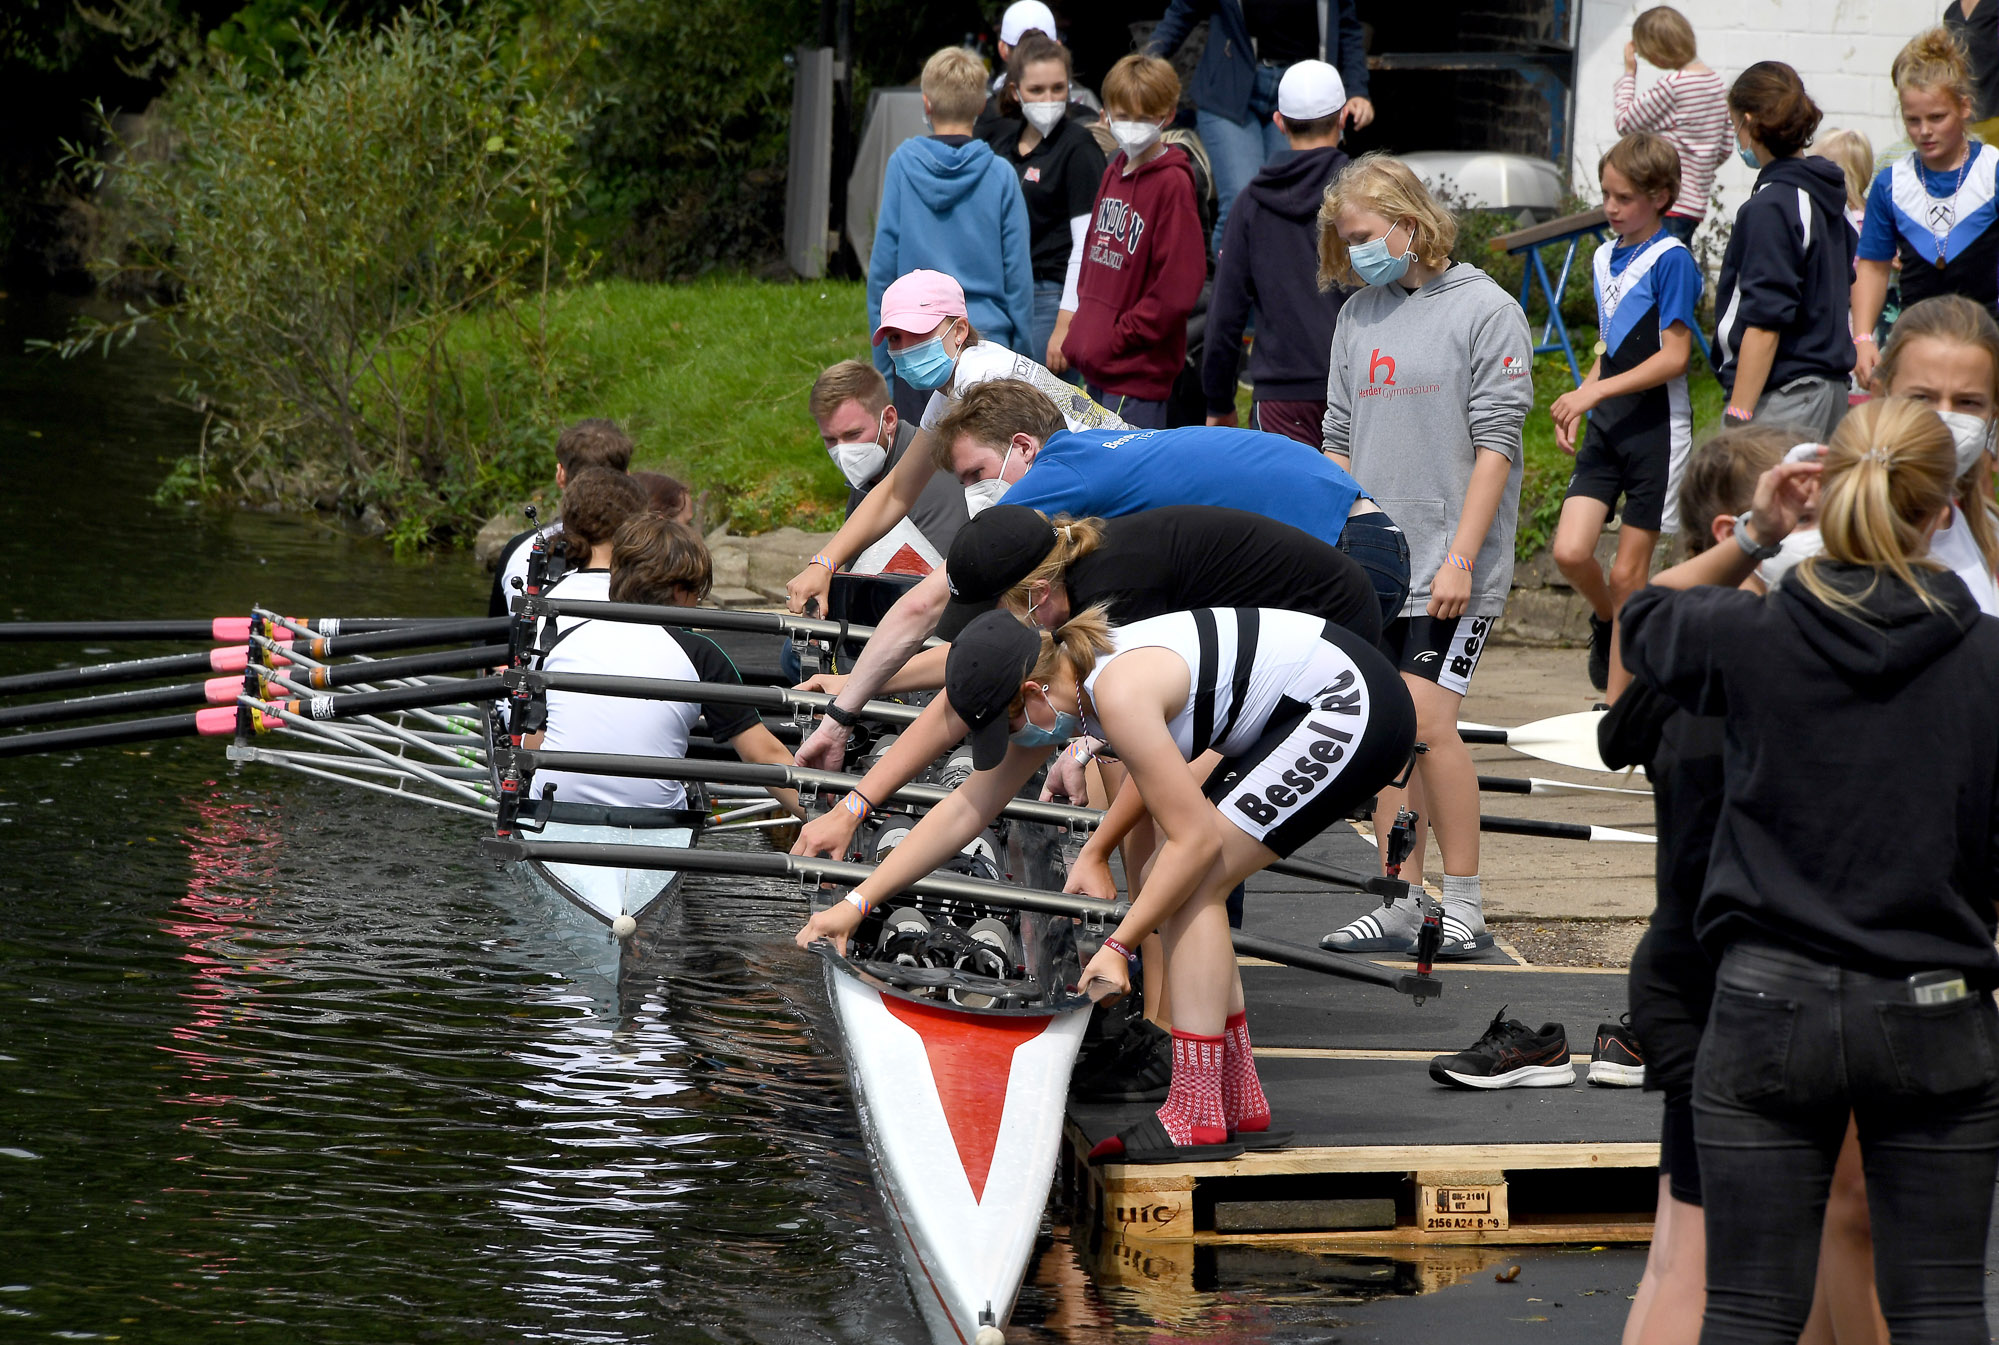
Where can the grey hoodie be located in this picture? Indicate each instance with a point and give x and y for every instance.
(1418, 383)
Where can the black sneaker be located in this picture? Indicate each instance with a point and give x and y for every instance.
(1617, 1060)
(1509, 1055)
(1139, 1069)
(1599, 652)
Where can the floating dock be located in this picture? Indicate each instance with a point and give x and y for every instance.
(1383, 1159)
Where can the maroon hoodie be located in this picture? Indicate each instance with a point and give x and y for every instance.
(1143, 264)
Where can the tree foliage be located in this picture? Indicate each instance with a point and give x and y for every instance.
(360, 262)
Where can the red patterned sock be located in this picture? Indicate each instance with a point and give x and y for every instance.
(1193, 1110)
(1243, 1102)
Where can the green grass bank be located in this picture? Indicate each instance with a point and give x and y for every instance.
(710, 378)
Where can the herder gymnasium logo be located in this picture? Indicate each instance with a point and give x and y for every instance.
(1381, 379)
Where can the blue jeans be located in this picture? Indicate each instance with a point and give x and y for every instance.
(1792, 1046)
(1047, 303)
(1236, 151)
(1682, 227)
(1381, 549)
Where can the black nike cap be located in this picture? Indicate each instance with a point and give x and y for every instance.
(991, 554)
(989, 660)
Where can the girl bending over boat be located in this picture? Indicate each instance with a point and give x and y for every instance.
(1291, 720)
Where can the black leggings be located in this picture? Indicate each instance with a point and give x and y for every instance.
(1792, 1046)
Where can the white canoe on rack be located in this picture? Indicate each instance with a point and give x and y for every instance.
(962, 1111)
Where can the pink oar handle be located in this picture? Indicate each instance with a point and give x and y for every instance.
(216, 722)
(235, 658)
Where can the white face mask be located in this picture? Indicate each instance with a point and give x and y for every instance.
(1134, 137)
(1043, 116)
(861, 461)
(1972, 435)
(983, 495)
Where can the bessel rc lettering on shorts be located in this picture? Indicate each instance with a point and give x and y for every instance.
(1315, 763)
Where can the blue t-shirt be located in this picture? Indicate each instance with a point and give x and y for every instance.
(1112, 472)
(1666, 281)
(1641, 290)
(1918, 213)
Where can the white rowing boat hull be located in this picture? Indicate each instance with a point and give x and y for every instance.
(607, 893)
(962, 1111)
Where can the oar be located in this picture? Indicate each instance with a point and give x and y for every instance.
(697, 618)
(1566, 740)
(800, 777)
(722, 693)
(1559, 831)
(220, 720)
(221, 629)
(806, 870)
(224, 690)
(297, 762)
(234, 658)
(1534, 784)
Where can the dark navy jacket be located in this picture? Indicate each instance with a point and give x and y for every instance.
(1226, 77)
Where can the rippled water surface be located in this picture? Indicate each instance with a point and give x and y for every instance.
(283, 1063)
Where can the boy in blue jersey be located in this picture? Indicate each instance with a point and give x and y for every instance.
(1640, 419)
(1005, 438)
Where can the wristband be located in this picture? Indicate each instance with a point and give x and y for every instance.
(857, 803)
(1868, 337)
(822, 559)
(844, 718)
(1739, 417)
(1080, 753)
(1119, 948)
(1456, 561)
(859, 902)
(1755, 550)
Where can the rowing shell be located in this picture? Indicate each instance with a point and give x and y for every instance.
(962, 1112)
(611, 895)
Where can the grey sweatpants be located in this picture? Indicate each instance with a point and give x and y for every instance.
(1814, 405)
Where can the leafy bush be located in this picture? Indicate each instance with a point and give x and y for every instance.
(321, 246)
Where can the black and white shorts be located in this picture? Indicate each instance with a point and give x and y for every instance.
(1438, 650)
(1321, 753)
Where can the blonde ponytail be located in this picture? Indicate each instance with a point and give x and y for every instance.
(1075, 538)
(1889, 471)
(1933, 59)
(1078, 642)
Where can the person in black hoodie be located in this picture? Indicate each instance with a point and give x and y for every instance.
(1848, 901)
(1268, 259)
(1781, 347)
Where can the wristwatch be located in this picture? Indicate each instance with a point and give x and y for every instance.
(844, 718)
(1756, 551)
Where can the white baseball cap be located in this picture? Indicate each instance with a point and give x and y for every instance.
(1310, 90)
(1021, 17)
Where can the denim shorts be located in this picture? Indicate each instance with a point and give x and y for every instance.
(1381, 549)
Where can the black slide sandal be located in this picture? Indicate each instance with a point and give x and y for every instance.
(1147, 1142)
(1261, 1141)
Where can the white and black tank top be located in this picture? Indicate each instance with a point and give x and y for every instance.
(1243, 661)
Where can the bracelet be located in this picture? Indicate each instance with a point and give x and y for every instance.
(846, 719)
(822, 559)
(1454, 559)
(1868, 337)
(860, 903)
(1740, 417)
(1119, 948)
(1080, 753)
(857, 803)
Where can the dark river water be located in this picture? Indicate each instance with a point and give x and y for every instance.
(285, 1063)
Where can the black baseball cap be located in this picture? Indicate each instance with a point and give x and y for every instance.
(989, 660)
(990, 555)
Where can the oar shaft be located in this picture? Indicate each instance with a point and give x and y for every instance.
(696, 618)
(949, 886)
(1531, 826)
(394, 669)
(221, 629)
(721, 693)
(226, 660)
(799, 777)
(209, 722)
(120, 702)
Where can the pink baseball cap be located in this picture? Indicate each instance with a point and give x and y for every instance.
(918, 302)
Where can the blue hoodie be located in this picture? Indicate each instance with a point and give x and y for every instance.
(956, 209)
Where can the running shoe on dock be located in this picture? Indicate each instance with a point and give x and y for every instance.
(1136, 1065)
(1617, 1060)
(1509, 1055)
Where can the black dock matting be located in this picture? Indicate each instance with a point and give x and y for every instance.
(1289, 1007)
(1343, 1103)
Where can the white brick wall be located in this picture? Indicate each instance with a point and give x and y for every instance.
(1842, 48)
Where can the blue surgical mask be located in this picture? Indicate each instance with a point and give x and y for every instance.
(1748, 156)
(1373, 263)
(1032, 734)
(926, 366)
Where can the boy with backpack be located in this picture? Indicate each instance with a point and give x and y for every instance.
(1640, 418)
(1145, 258)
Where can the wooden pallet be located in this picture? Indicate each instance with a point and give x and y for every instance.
(1334, 1198)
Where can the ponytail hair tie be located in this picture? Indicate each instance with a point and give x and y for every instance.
(1876, 454)
(1068, 536)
